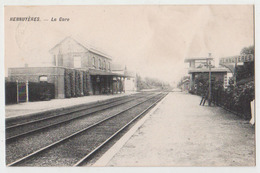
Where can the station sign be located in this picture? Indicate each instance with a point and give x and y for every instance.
(237, 59)
(43, 78)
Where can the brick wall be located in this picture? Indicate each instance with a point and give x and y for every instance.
(54, 75)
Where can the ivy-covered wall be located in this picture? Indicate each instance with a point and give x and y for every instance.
(76, 83)
(85, 88)
(67, 83)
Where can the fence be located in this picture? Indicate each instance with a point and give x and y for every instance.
(10, 92)
(41, 91)
(16, 92)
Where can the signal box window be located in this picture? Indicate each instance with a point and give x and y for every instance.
(104, 65)
(99, 64)
(93, 62)
(108, 65)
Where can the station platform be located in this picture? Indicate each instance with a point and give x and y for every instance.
(179, 132)
(29, 108)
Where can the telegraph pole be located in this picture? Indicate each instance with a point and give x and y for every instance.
(27, 90)
(235, 73)
(17, 90)
(209, 63)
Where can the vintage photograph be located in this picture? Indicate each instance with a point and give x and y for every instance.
(129, 86)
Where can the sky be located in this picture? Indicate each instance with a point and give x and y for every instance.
(152, 40)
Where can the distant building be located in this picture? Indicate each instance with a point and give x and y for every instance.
(74, 65)
(130, 80)
(184, 84)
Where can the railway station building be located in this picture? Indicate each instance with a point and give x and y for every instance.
(75, 70)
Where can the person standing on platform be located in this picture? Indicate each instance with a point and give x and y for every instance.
(204, 97)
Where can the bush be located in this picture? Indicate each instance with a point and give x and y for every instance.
(236, 98)
(243, 95)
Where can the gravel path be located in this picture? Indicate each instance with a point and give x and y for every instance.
(182, 133)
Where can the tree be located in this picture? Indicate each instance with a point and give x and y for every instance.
(248, 50)
(150, 83)
(139, 82)
(247, 70)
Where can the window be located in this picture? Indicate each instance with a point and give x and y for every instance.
(104, 65)
(109, 66)
(77, 62)
(99, 64)
(60, 60)
(93, 62)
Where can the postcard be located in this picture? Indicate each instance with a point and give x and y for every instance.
(161, 85)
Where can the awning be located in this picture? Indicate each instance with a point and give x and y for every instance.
(95, 72)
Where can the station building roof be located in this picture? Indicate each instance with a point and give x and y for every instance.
(118, 68)
(84, 46)
(197, 59)
(80, 46)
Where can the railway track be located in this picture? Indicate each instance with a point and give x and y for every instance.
(15, 131)
(75, 149)
(30, 142)
(48, 114)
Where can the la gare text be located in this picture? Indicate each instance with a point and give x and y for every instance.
(61, 19)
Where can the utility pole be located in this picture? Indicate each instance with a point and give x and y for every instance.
(209, 63)
(17, 90)
(27, 90)
(235, 73)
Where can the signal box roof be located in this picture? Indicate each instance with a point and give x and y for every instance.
(194, 59)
